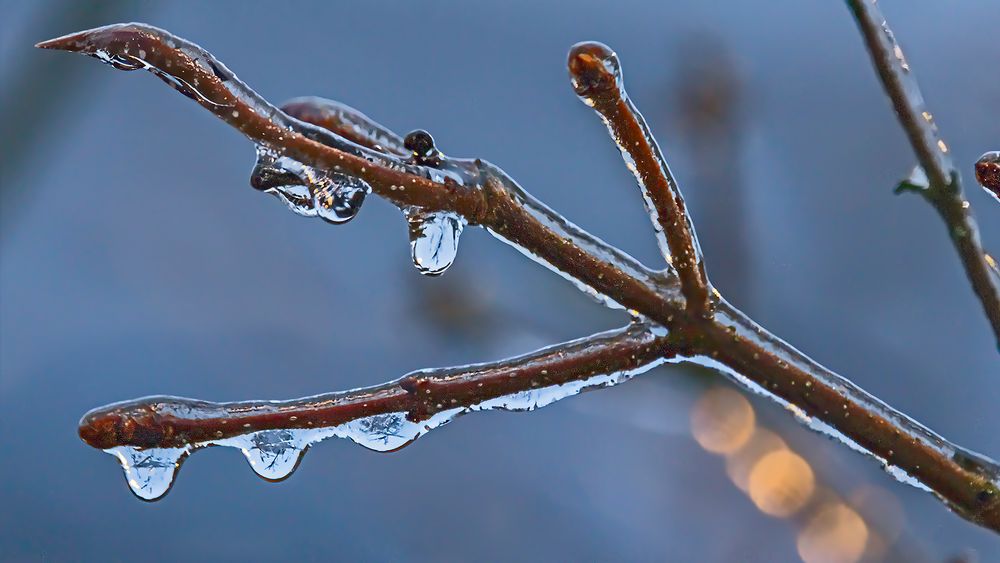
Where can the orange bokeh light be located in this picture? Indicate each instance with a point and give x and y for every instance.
(835, 534)
(781, 483)
(722, 420)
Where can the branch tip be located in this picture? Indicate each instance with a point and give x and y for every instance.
(593, 69)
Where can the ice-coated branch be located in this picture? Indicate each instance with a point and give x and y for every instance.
(324, 163)
(943, 185)
(596, 76)
(476, 191)
(347, 122)
(274, 434)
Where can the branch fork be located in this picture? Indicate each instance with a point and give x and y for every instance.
(676, 315)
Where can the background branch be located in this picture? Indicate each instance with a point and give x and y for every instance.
(944, 186)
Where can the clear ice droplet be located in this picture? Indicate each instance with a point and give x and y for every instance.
(149, 472)
(308, 191)
(338, 198)
(272, 454)
(433, 239)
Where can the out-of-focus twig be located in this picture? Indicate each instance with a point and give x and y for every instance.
(943, 186)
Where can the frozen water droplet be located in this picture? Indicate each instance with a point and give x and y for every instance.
(988, 173)
(382, 432)
(339, 198)
(420, 143)
(308, 191)
(149, 472)
(272, 454)
(433, 239)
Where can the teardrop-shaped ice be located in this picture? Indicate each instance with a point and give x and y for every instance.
(308, 191)
(149, 472)
(272, 454)
(338, 198)
(382, 432)
(434, 240)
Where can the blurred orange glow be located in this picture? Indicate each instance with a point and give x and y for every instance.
(781, 483)
(836, 534)
(881, 508)
(741, 462)
(722, 420)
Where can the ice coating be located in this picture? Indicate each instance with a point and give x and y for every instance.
(153, 435)
(856, 408)
(347, 122)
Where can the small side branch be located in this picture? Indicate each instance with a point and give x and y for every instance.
(944, 188)
(174, 422)
(595, 73)
(347, 122)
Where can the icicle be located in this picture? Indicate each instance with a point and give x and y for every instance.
(433, 239)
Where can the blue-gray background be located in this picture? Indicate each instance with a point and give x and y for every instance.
(137, 260)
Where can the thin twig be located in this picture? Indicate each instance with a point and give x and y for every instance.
(596, 75)
(171, 422)
(944, 186)
(721, 337)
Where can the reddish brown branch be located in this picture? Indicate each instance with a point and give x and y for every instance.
(944, 190)
(595, 72)
(173, 422)
(720, 336)
(346, 122)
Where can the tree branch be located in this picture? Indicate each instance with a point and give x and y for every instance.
(720, 337)
(174, 422)
(346, 122)
(595, 73)
(944, 187)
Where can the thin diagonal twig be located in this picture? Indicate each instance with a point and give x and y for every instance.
(944, 186)
(720, 336)
(596, 75)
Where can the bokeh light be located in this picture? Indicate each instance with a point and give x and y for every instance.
(781, 483)
(835, 534)
(722, 420)
(741, 462)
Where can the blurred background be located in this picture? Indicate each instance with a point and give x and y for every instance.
(137, 260)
